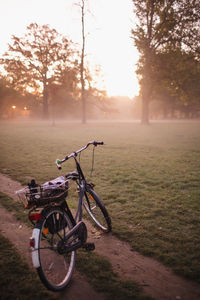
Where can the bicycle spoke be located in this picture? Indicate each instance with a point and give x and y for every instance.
(55, 267)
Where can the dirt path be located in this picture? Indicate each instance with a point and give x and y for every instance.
(155, 279)
(19, 234)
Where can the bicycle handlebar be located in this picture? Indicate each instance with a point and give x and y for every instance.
(74, 154)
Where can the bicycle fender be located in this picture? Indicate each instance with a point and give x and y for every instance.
(34, 250)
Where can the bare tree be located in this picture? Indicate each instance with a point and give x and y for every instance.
(82, 4)
(83, 100)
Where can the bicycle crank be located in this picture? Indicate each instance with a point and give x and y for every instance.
(75, 239)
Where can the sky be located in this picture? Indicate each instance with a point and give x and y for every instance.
(108, 26)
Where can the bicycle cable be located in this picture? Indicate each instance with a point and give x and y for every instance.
(79, 157)
(92, 169)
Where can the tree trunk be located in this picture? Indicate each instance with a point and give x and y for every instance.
(83, 106)
(145, 109)
(146, 86)
(146, 91)
(83, 100)
(45, 102)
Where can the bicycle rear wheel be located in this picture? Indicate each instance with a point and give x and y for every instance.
(54, 266)
(97, 211)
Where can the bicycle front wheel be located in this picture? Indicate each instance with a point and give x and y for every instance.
(97, 211)
(54, 265)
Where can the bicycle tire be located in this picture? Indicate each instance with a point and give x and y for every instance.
(54, 267)
(96, 210)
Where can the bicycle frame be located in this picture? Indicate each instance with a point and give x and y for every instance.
(81, 181)
(77, 220)
(82, 188)
(79, 226)
(57, 234)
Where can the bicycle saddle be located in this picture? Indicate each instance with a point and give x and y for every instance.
(73, 175)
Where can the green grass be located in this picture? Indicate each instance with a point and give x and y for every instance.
(100, 275)
(16, 207)
(17, 280)
(148, 177)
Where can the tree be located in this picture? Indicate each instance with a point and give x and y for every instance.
(38, 58)
(160, 24)
(177, 81)
(81, 4)
(64, 92)
(11, 101)
(82, 63)
(5, 94)
(83, 68)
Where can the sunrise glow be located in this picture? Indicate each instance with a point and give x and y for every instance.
(108, 41)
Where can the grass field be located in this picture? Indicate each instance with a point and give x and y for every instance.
(148, 177)
(17, 280)
(97, 270)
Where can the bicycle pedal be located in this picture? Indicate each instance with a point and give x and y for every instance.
(89, 246)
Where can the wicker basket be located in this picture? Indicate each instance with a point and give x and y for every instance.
(52, 191)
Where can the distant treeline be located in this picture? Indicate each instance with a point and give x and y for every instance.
(40, 78)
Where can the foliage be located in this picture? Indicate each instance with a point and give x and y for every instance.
(43, 68)
(176, 83)
(10, 97)
(37, 59)
(160, 24)
(6, 95)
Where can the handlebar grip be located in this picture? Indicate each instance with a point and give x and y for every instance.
(98, 143)
(58, 164)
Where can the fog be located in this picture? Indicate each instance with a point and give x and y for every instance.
(109, 109)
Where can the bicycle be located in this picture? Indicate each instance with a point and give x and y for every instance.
(57, 234)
